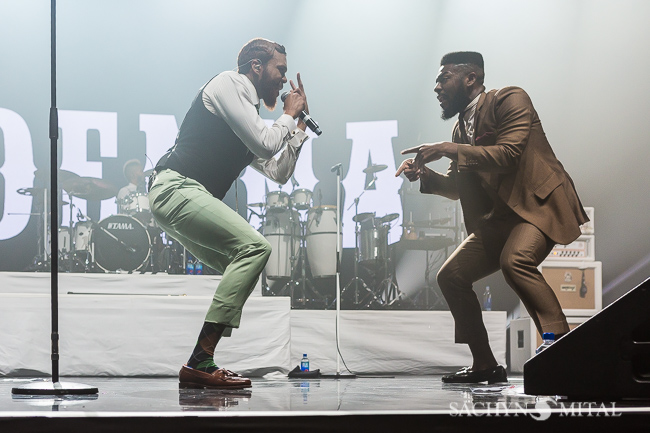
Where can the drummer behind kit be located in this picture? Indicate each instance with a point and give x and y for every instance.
(129, 241)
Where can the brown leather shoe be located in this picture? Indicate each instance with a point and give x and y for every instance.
(220, 379)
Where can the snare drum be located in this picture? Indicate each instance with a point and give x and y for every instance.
(281, 229)
(321, 241)
(301, 199)
(277, 201)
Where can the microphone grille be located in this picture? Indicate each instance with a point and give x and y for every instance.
(284, 96)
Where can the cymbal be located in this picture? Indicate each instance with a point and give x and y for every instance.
(29, 191)
(65, 175)
(375, 168)
(363, 216)
(388, 218)
(89, 188)
(255, 204)
(428, 223)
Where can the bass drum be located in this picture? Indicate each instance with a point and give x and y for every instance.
(282, 231)
(321, 241)
(122, 243)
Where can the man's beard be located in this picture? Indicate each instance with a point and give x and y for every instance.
(268, 93)
(456, 105)
(270, 101)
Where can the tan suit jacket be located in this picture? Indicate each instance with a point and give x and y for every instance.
(513, 160)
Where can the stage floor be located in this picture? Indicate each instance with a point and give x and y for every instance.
(377, 403)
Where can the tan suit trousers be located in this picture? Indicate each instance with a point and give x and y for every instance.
(517, 248)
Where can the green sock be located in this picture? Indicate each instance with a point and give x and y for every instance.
(202, 357)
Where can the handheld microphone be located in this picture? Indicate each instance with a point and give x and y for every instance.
(309, 121)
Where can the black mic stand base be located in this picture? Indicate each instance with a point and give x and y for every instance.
(338, 376)
(54, 388)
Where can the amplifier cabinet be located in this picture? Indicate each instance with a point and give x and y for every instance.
(577, 285)
(588, 227)
(582, 249)
(524, 339)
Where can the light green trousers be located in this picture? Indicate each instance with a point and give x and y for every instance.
(216, 235)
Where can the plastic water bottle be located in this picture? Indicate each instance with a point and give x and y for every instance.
(189, 268)
(487, 299)
(549, 338)
(198, 268)
(304, 363)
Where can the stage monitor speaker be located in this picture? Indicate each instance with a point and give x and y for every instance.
(605, 358)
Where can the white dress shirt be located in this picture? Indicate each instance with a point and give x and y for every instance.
(233, 97)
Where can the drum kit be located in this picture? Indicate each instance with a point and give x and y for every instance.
(302, 236)
(371, 252)
(126, 242)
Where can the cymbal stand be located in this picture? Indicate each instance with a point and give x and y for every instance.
(40, 260)
(357, 279)
(71, 236)
(388, 285)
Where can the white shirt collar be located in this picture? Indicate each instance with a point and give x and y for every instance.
(251, 87)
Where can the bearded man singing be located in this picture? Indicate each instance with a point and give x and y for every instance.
(222, 133)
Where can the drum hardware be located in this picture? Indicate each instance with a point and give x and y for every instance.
(321, 239)
(280, 230)
(301, 199)
(277, 201)
(286, 233)
(369, 296)
(363, 217)
(432, 224)
(299, 278)
(430, 298)
(136, 204)
(388, 218)
(121, 242)
(89, 188)
(260, 215)
(374, 168)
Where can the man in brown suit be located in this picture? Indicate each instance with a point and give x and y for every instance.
(517, 201)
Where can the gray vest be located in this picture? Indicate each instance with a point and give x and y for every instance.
(207, 150)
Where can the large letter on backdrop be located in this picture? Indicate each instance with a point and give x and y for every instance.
(372, 139)
(17, 172)
(161, 131)
(74, 156)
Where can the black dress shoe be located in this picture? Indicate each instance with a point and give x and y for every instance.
(467, 375)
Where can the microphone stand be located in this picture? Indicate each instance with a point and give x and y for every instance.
(338, 374)
(55, 387)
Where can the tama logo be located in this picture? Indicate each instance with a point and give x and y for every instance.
(120, 226)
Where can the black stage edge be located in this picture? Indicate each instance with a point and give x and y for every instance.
(338, 422)
(605, 358)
